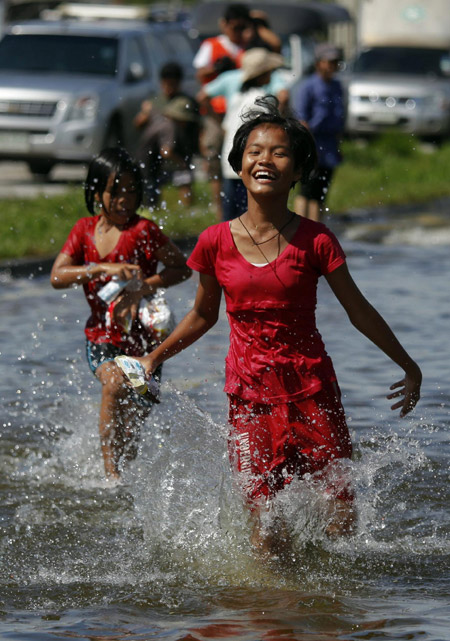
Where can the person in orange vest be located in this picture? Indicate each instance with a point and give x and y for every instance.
(216, 55)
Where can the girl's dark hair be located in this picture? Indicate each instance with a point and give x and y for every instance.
(265, 112)
(116, 161)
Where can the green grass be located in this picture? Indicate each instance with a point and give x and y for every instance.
(391, 170)
(39, 226)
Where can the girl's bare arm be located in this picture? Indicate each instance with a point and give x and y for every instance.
(65, 272)
(197, 322)
(370, 323)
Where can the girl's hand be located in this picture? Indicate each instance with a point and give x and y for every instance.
(123, 271)
(127, 305)
(147, 363)
(409, 389)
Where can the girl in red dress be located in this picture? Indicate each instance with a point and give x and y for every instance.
(285, 413)
(115, 242)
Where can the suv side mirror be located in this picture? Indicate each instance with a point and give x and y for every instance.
(135, 73)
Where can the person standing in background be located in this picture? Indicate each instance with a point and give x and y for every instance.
(259, 33)
(318, 104)
(169, 126)
(216, 55)
(170, 81)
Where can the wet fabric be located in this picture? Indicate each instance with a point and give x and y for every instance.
(270, 445)
(276, 353)
(138, 243)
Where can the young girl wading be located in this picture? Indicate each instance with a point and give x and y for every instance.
(114, 242)
(285, 414)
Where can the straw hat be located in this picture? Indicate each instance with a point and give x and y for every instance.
(181, 108)
(257, 61)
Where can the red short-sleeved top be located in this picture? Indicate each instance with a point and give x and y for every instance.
(138, 243)
(276, 354)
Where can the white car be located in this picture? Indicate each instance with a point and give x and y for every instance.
(68, 88)
(402, 88)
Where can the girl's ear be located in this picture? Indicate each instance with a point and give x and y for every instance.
(239, 173)
(98, 205)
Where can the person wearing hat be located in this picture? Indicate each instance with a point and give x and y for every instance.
(256, 77)
(183, 114)
(318, 104)
(167, 146)
(216, 56)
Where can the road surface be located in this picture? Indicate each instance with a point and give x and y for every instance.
(16, 181)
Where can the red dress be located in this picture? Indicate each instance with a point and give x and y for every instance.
(287, 419)
(138, 243)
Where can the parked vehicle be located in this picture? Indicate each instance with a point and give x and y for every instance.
(70, 87)
(400, 77)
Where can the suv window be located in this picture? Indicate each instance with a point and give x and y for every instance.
(180, 47)
(134, 56)
(404, 60)
(59, 54)
(157, 50)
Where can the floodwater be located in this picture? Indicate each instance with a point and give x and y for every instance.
(165, 554)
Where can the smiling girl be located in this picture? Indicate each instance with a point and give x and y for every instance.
(285, 414)
(114, 242)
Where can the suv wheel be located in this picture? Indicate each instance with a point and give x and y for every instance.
(40, 168)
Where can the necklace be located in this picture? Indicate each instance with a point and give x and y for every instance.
(277, 235)
(261, 242)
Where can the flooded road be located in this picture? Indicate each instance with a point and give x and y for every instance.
(165, 554)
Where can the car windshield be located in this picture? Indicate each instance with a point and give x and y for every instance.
(59, 54)
(404, 60)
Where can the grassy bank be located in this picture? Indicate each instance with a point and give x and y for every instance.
(39, 226)
(392, 170)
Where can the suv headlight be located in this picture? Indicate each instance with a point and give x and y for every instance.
(84, 108)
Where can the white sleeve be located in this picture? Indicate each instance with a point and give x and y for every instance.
(203, 57)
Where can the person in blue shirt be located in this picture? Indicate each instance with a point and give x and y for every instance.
(318, 104)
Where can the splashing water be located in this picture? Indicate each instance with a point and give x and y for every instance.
(166, 551)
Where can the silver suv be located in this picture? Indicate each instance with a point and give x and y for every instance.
(68, 88)
(406, 88)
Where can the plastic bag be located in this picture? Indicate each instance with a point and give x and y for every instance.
(156, 316)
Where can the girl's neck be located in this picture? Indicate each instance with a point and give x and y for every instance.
(267, 212)
(105, 224)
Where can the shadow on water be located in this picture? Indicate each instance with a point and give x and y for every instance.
(166, 553)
